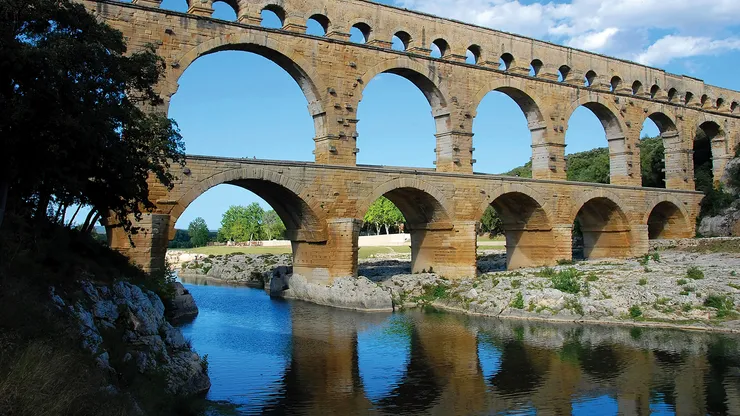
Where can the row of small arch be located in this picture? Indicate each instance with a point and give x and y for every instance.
(440, 48)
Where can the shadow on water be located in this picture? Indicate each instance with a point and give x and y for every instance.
(282, 357)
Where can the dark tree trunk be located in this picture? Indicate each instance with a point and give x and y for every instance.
(71, 220)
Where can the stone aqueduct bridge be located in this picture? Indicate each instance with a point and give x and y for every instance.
(323, 203)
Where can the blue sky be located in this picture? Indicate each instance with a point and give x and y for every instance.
(238, 104)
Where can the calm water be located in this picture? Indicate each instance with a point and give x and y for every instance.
(278, 357)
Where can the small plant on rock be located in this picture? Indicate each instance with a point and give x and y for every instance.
(592, 277)
(694, 273)
(516, 284)
(567, 281)
(655, 256)
(575, 305)
(642, 282)
(635, 312)
(682, 282)
(724, 304)
(518, 302)
(545, 272)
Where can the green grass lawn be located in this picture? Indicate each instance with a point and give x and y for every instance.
(365, 252)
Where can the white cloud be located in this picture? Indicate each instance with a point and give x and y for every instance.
(672, 47)
(684, 28)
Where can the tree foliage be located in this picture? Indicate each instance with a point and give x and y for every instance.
(491, 223)
(198, 232)
(589, 166)
(272, 226)
(652, 167)
(384, 213)
(72, 124)
(241, 223)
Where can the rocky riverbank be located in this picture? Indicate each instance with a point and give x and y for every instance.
(687, 283)
(125, 328)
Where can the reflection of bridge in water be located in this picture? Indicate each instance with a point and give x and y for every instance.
(459, 365)
(322, 204)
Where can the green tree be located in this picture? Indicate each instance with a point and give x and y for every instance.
(273, 226)
(73, 130)
(384, 213)
(590, 166)
(652, 166)
(491, 223)
(241, 223)
(198, 232)
(524, 171)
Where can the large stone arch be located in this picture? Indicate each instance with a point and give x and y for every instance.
(522, 188)
(517, 90)
(302, 216)
(674, 158)
(268, 47)
(605, 223)
(527, 226)
(433, 199)
(667, 218)
(616, 132)
(418, 73)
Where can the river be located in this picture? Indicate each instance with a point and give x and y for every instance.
(270, 356)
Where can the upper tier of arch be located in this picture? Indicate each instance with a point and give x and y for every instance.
(381, 22)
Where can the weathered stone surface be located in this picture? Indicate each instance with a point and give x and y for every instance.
(183, 306)
(727, 224)
(237, 269)
(133, 319)
(345, 292)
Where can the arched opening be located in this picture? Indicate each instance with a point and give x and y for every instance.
(212, 110)
(720, 103)
(656, 128)
(563, 73)
(428, 223)
(703, 157)
(672, 94)
(615, 84)
(704, 99)
(395, 119)
(317, 25)
(473, 54)
(260, 221)
(527, 229)
(601, 230)
(506, 61)
(734, 107)
(439, 48)
(654, 90)
(535, 67)
(688, 98)
(506, 124)
(225, 10)
(589, 127)
(589, 78)
(360, 32)
(401, 41)
(384, 229)
(666, 221)
(636, 88)
(273, 17)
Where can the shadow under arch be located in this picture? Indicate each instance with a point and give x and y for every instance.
(619, 155)
(301, 216)
(420, 75)
(667, 220)
(429, 220)
(527, 227)
(605, 227)
(285, 57)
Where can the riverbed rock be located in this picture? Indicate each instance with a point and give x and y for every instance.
(125, 327)
(726, 224)
(238, 269)
(183, 307)
(345, 292)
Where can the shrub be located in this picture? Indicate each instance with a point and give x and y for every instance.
(642, 282)
(575, 305)
(592, 277)
(516, 284)
(545, 272)
(644, 260)
(695, 273)
(724, 304)
(518, 302)
(733, 273)
(567, 281)
(635, 312)
(682, 282)
(656, 257)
